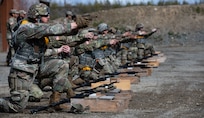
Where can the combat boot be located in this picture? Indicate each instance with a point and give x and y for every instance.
(6, 106)
(70, 93)
(54, 98)
(78, 81)
(72, 83)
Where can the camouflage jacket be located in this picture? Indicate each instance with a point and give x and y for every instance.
(91, 45)
(11, 23)
(31, 35)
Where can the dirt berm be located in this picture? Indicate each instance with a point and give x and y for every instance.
(178, 24)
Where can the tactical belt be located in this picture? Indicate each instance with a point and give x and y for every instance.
(86, 68)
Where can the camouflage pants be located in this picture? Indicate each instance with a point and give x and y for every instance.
(107, 66)
(73, 66)
(141, 51)
(149, 49)
(57, 71)
(123, 56)
(132, 53)
(20, 83)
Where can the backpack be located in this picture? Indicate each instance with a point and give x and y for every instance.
(13, 42)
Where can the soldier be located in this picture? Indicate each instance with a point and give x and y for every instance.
(105, 53)
(129, 48)
(71, 58)
(144, 48)
(69, 15)
(21, 16)
(90, 67)
(29, 60)
(11, 23)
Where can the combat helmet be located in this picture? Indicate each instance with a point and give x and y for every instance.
(13, 11)
(77, 108)
(102, 27)
(22, 12)
(70, 13)
(37, 10)
(139, 26)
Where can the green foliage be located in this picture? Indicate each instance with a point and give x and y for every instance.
(185, 2)
(98, 5)
(149, 3)
(198, 10)
(167, 2)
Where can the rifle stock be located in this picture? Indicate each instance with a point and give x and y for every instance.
(42, 108)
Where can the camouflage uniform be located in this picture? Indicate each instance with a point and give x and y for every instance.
(25, 65)
(144, 48)
(126, 51)
(11, 23)
(90, 64)
(106, 54)
(71, 58)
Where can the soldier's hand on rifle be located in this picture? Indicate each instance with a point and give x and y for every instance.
(113, 41)
(126, 34)
(154, 30)
(64, 48)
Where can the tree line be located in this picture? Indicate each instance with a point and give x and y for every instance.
(81, 8)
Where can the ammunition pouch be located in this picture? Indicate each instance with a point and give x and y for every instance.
(109, 51)
(97, 54)
(27, 53)
(102, 62)
(25, 63)
(86, 60)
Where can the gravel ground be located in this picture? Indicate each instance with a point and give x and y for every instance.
(174, 90)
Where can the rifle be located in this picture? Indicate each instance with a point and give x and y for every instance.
(42, 108)
(118, 73)
(129, 65)
(89, 83)
(85, 93)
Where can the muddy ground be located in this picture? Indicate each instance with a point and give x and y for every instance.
(174, 90)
